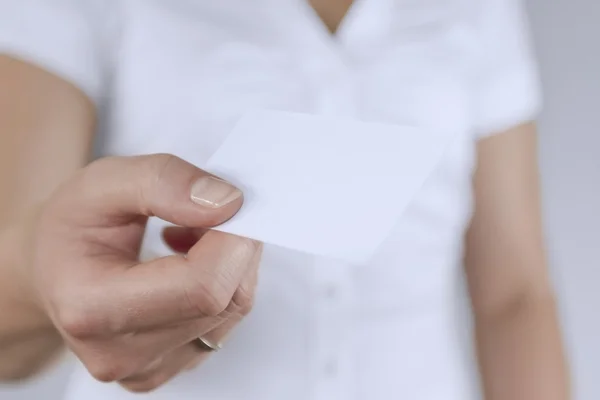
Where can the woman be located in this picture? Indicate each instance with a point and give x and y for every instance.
(173, 77)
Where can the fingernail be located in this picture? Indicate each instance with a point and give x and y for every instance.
(213, 192)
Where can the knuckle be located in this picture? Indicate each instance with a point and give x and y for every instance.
(160, 164)
(243, 301)
(244, 249)
(142, 387)
(101, 166)
(156, 380)
(208, 298)
(154, 168)
(160, 161)
(106, 371)
(100, 163)
(148, 385)
(78, 322)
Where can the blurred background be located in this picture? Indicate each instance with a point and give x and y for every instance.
(565, 32)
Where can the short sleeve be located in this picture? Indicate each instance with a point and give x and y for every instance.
(506, 87)
(65, 37)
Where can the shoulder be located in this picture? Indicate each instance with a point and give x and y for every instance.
(69, 38)
(504, 80)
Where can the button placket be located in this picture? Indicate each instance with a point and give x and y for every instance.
(333, 296)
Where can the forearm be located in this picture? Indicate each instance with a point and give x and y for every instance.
(520, 352)
(28, 340)
(46, 134)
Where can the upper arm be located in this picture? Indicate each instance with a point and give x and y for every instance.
(504, 249)
(504, 245)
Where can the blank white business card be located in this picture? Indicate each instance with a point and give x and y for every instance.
(324, 185)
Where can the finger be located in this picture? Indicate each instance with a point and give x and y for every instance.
(181, 239)
(202, 356)
(118, 189)
(240, 306)
(149, 346)
(115, 358)
(161, 292)
(217, 337)
(109, 359)
(157, 343)
(164, 370)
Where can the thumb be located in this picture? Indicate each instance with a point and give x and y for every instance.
(117, 190)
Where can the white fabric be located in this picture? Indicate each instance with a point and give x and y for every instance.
(176, 75)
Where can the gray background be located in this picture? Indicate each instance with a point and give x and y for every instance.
(569, 54)
(567, 33)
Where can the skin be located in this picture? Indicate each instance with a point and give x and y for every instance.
(331, 12)
(516, 325)
(63, 250)
(85, 238)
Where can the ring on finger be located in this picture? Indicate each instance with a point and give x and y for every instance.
(204, 344)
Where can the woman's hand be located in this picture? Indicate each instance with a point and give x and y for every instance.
(131, 321)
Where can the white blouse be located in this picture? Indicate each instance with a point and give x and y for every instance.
(175, 76)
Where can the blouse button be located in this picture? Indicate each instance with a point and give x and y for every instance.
(331, 368)
(329, 292)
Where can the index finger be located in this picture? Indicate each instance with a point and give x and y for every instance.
(167, 290)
